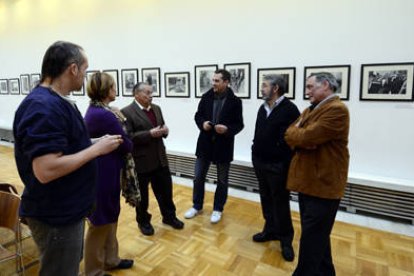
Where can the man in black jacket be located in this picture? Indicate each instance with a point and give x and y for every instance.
(271, 157)
(219, 118)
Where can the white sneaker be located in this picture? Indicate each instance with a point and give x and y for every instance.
(215, 217)
(192, 212)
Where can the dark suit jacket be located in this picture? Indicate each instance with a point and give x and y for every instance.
(210, 145)
(149, 153)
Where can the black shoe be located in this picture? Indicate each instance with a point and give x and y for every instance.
(264, 237)
(288, 253)
(124, 264)
(146, 228)
(174, 223)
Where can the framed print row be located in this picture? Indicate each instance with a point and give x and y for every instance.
(10, 86)
(378, 82)
(16, 86)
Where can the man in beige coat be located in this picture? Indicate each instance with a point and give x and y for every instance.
(318, 171)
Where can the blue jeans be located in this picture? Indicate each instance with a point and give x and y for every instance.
(60, 247)
(220, 196)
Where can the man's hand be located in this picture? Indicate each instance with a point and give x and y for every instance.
(220, 129)
(107, 143)
(207, 125)
(165, 130)
(156, 132)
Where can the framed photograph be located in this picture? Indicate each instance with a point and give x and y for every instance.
(25, 82)
(288, 73)
(177, 85)
(129, 79)
(387, 82)
(89, 75)
(152, 77)
(342, 74)
(4, 87)
(34, 80)
(14, 86)
(240, 78)
(114, 74)
(203, 75)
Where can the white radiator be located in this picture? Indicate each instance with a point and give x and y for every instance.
(364, 199)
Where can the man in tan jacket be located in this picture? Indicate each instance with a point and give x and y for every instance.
(318, 171)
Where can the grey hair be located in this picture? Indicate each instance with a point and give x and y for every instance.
(278, 80)
(139, 87)
(326, 76)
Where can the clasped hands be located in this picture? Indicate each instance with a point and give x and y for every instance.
(159, 131)
(219, 128)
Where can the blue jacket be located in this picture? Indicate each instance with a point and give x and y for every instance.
(46, 123)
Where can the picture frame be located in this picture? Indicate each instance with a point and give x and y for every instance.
(288, 73)
(240, 78)
(342, 74)
(34, 80)
(387, 82)
(203, 75)
(4, 87)
(177, 84)
(14, 86)
(129, 79)
(152, 77)
(25, 84)
(114, 75)
(89, 75)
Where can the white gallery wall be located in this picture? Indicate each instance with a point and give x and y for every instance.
(177, 35)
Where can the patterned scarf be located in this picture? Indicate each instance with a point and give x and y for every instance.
(129, 179)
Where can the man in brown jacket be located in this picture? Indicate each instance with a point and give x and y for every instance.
(318, 171)
(146, 127)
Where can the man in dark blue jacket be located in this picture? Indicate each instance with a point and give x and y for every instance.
(271, 157)
(55, 160)
(219, 117)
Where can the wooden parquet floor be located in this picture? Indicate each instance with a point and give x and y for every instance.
(226, 248)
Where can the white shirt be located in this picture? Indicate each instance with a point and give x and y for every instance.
(270, 109)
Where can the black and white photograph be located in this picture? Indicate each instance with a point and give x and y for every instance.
(342, 73)
(34, 80)
(387, 82)
(4, 90)
(25, 84)
(152, 77)
(14, 86)
(288, 73)
(203, 75)
(240, 78)
(114, 74)
(177, 84)
(129, 79)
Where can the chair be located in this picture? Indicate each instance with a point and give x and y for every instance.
(8, 188)
(9, 218)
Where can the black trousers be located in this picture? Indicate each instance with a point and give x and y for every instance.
(161, 184)
(317, 217)
(274, 199)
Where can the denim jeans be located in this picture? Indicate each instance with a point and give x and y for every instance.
(60, 247)
(220, 196)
